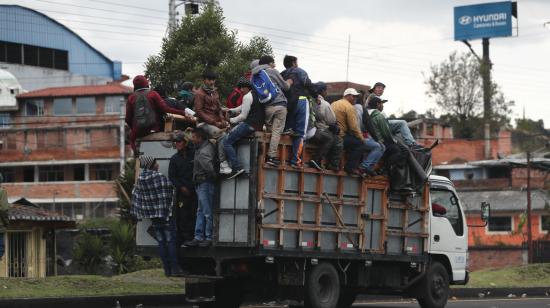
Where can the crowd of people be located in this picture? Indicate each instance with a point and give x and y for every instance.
(264, 99)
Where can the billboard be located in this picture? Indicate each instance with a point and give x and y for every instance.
(483, 20)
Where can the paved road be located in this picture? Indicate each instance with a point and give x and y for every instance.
(474, 303)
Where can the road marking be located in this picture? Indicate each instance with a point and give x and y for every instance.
(454, 301)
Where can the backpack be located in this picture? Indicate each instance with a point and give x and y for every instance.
(265, 88)
(144, 115)
(235, 98)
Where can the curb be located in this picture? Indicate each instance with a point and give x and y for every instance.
(94, 301)
(499, 292)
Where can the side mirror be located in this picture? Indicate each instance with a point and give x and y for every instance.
(485, 211)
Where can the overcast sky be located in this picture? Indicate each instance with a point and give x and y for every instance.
(393, 41)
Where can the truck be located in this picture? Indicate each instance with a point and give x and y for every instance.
(319, 238)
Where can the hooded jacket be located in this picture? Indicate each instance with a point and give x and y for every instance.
(278, 80)
(207, 106)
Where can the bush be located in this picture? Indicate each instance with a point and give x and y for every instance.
(89, 252)
(122, 246)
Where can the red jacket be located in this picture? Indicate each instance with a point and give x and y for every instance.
(159, 106)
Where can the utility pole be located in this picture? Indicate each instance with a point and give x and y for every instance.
(172, 22)
(347, 64)
(191, 8)
(122, 135)
(529, 228)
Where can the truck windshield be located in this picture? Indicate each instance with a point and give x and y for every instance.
(448, 200)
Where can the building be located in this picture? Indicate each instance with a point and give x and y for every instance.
(336, 89)
(61, 149)
(30, 241)
(41, 52)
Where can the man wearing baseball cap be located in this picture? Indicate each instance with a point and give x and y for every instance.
(353, 137)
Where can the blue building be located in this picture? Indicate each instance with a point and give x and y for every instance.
(40, 52)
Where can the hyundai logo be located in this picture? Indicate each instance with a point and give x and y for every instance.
(465, 20)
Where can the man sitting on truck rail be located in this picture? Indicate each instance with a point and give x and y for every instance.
(275, 110)
(354, 144)
(180, 172)
(145, 110)
(326, 134)
(152, 198)
(204, 176)
(209, 113)
(250, 118)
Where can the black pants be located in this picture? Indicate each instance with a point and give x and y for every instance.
(329, 147)
(186, 212)
(355, 148)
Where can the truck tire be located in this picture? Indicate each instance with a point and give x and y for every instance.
(228, 294)
(322, 287)
(347, 298)
(434, 287)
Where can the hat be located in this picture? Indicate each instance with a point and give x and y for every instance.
(147, 162)
(351, 91)
(373, 101)
(376, 85)
(208, 74)
(321, 86)
(244, 83)
(183, 135)
(140, 82)
(254, 63)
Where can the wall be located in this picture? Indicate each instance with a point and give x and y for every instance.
(496, 257)
(519, 178)
(479, 236)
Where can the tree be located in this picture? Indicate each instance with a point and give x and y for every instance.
(456, 87)
(199, 43)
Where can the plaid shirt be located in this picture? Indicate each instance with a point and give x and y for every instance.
(152, 195)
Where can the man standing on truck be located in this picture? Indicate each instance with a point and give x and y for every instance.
(275, 110)
(204, 175)
(326, 136)
(145, 111)
(346, 116)
(250, 118)
(152, 198)
(180, 172)
(210, 115)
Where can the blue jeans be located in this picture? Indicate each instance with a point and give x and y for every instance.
(165, 232)
(238, 132)
(2, 248)
(354, 148)
(401, 127)
(298, 121)
(376, 150)
(203, 226)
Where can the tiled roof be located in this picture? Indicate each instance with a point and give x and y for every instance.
(503, 200)
(112, 88)
(18, 212)
(63, 190)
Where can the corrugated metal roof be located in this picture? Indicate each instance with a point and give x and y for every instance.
(505, 200)
(112, 88)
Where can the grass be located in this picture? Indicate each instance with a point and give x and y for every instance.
(534, 275)
(142, 282)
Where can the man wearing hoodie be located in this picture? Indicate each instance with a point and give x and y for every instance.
(275, 110)
(298, 106)
(210, 115)
(157, 104)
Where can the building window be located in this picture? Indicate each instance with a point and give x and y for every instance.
(112, 104)
(17, 254)
(51, 173)
(545, 223)
(34, 55)
(30, 55)
(14, 53)
(34, 108)
(104, 172)
(62, 106)
(28, 174)
(78, 173)
(45, 57)
(5, 120)
(61, 59)
(85, 105)
(500, 224)
(8, 174)
(429, 129)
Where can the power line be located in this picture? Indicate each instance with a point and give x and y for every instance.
(131, 6)
(101, 9)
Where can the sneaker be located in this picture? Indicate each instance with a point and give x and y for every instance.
(312, 163)
(289, 131)
(225, 169)
(205, 243)
(354, 172)
(272, 161)
(366, 172)
(236, 173)
(192, 243)
(296, 165)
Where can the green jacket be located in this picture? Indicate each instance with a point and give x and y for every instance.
(3, 210)
(381, 127)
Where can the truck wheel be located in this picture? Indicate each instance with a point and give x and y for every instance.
(434, 287)
(322, 287)
(347, 298)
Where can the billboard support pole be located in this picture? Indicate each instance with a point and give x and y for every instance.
(485, 71)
